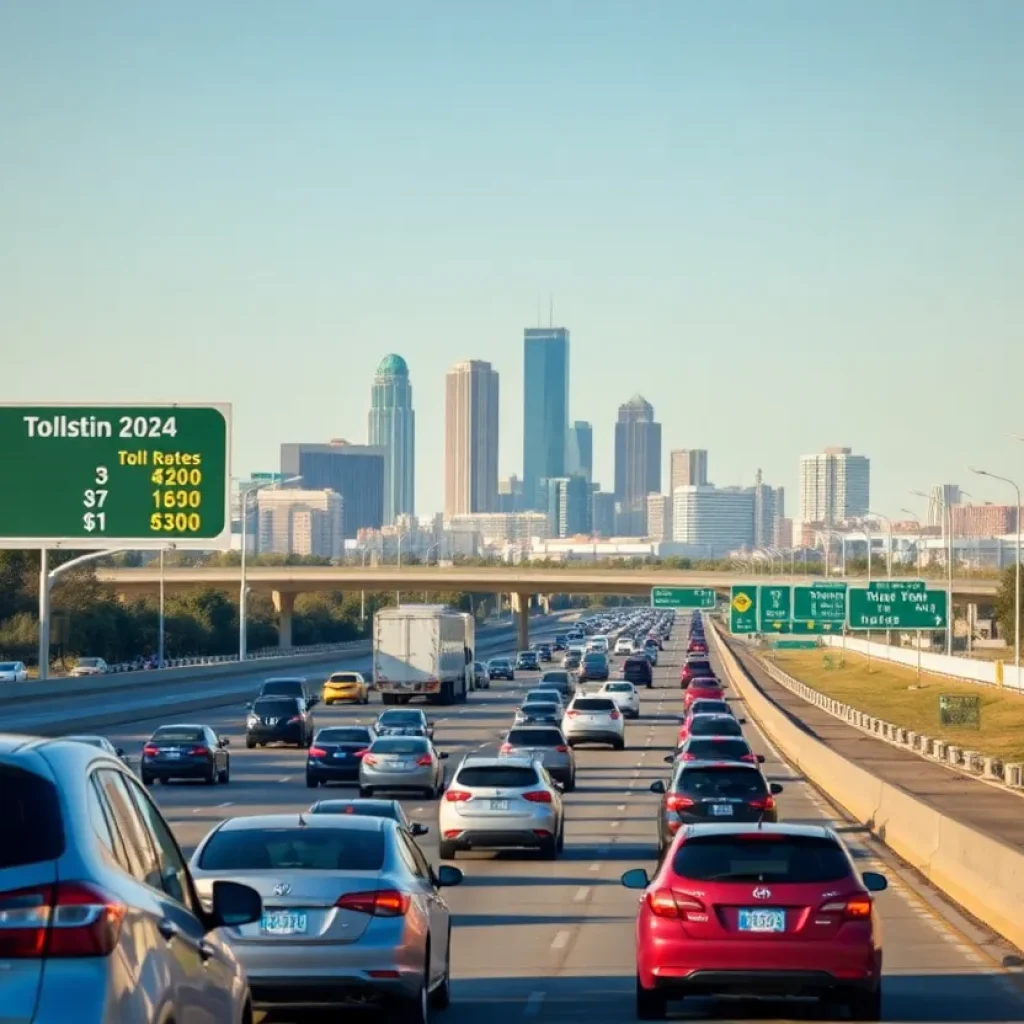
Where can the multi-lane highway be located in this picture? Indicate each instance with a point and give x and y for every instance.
(545, 941)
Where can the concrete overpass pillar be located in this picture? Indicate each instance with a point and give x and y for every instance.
(545, 603)
(284, 605)
(521, 608)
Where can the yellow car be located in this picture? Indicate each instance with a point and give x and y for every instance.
(346, 687)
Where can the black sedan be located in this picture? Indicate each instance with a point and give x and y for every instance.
(278, 720)
(528, 661)
(336, 754)
(501, 668)
(185, 752)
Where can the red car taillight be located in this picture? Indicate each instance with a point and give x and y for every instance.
(200, 751)
(666, 903)
(540, 796)
(748, 757)
(506, 748)
(766, 803)
(687, 757)
(362, 753)
(857, 908)
(677, 802)
(317, 752)
(457, 796)
(424, 759)
(562, 750)
(381, 903)
(294, 719)
(614, 716)
(150, 751)
(369, 759)
(571, 714)
(68, 919)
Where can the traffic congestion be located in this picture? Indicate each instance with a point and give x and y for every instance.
(485, 852)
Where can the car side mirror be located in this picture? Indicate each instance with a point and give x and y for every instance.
(560, 786)
(447, 876)
(742, 721)
(235, 904)
(443, 755)
(417, 829)
(635, 878)
(119, 751)
(775, 788)
(224, 741)
(874, 882)
(658, 787)
(760, 758)
(248, 707)
(670, 759)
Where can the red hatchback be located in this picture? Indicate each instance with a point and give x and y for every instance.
(771, 911)
(702, 689)
(695, 668)
(697, 647)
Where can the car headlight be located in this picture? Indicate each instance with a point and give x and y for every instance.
(252, 720)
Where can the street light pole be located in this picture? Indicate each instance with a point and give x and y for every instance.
(1016, 587)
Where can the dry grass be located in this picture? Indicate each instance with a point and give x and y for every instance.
(895, 694)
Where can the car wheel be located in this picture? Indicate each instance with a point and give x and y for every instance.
(147, 780)
(413, 1010)
(213, 778)
(446, 850)
(650, 1004)
(225, 776)
(619, 745)
(311, 783)
(249, 744)
(570, 785)
(549, 849)
(441, 997)
(560, 844)
(328, 703)
(365, 792)
(866, 1005)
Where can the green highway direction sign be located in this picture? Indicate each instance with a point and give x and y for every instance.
(743, 609)
(898, 604)
(683, 597)
(775, 608)
(110, 476)
(820, 603)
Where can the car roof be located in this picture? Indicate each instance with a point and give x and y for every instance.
(285, 679)
(181, 725)
(782, 828)
(714, 762)
(243, 823)
(404, 711)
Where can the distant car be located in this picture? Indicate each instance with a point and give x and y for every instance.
(527, 661)
(404, 722)
(544, 743)
(371, 807)
(638, 670)
(624, 645)
(481, 677)
(695, 668)
(290, 686)
(185, 752)
(408, 763)
(560, 642)
(627, 700)
(336, 752)
(712, 724)
(715, 748)
(537, 712)
(594, 667)
(101, 743)
(702, 689)
(345, 688)
(90, 667)
(278, 720)
(556, 679)
(572, 659)
(594, 720)
(13, 672)
(501, 668)
(543, 651)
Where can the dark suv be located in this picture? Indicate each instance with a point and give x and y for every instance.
(593, 667)
(290, 687)
(638, 671)
(278, 720)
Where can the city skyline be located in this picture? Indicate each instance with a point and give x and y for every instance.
(392, 426)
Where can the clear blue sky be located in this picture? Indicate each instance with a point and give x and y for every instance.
(787, 224)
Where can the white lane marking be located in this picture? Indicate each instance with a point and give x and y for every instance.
(421, 810)
(533, 1004)
(622, 807)
(595, 867)
(227, 803)
(196, 810)
(560, 941)
(581, 894)
(287, 778)
(615, 824)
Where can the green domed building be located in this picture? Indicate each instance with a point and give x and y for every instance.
(392, 427)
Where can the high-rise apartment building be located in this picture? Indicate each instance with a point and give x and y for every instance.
(568, 505)
(942, 497)
(471, 438)
(687, 467)
(602, 512)
(392, 427)
(510, 494)
(637, 463)
(502, 528)
(983, 520)
(355, 471)
(834, 486)
(769, 508)
(300, 522)
(580, 450)
(718, 519)
(545, 407)
(659, 517)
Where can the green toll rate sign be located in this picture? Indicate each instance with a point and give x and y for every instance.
(774, 607)
(111, 476)
(683, 597)
(743, 609)
(898, 604)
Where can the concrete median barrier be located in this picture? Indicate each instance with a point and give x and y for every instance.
(980, 872)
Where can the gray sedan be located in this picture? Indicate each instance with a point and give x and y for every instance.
(402, 763)
(351, 908)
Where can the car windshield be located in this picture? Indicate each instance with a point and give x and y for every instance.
(279, 707)
(178, 735)
(402, 718)
(400, 745)
(594, 659)
(722, 783)
(293, 849)
(343, 735)
(92, 741)
(555, 677)
(539, 709)
(88, 662)
(774, 859)
(715, 725)
(344, 677)
(619, 688)
(535, 738)
(593, 704)
(497, 776)
(717, 749)
(33, 826)
(359, 808)
(8, 666)
(280, 687)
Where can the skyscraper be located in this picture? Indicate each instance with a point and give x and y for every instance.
(471, 438)
(393, 428)
(545, 407)
(579, 455)
(769, 508)
(942, 497)
(637, 462)
(687, 467)
(718, 519)
(834, 486)
(567, 503)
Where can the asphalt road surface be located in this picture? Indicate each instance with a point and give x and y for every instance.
(553, 941)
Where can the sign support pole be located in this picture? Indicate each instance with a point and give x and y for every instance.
(44, 615)
(919, 655)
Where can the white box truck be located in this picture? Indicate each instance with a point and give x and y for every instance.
(423, 651)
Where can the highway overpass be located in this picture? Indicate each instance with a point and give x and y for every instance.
(283, 583)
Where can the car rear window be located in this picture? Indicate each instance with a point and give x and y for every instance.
(180, 735)
(715, 725)
(293, 849)
(710, 707)
(344, 677)
(359, 808)
(401, 718)
(33, 829)
(544, 696)
(282, 687)
(593, 658)
(343, 736)
(535, 738)
(497, 776)
(772, 859)
(619, 688)
(710, 750)
(593, 704)
(725, 783)
(555, 677)
(400, 745)
(540, 707)
(699, 667)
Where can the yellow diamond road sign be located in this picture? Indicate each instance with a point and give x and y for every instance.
(741, 602)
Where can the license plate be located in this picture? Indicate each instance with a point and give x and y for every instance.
(762, 920)
(172, 753)
(721, 810)
(340, 757)
(284, 922)
(499, 805)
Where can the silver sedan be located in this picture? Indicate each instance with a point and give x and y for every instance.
(351, 908)
(402, 763)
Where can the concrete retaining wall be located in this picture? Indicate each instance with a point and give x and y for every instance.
(982, 874)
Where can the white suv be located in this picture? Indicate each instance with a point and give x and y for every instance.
(624, 645)
(627, 700)
(594, 720)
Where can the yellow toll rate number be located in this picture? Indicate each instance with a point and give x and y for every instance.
(176, 522)
(177, 502)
